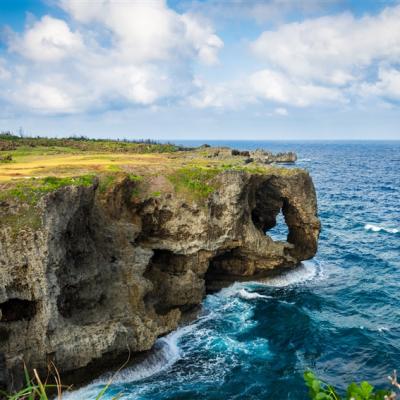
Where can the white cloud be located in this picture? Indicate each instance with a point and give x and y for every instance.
(224, 95)
(45, 98)
(146, 31)
(279, 88)
(283, 112)
(115, 54)
(4, 72)
(48, 40)
(118, 54)
(272, 11)
(203, 39)
(387, 85)
(332, 50)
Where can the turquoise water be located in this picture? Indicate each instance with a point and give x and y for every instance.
(338, 314)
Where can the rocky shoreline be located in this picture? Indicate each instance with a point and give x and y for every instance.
(103, 273)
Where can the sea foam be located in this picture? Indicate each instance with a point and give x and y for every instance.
(378, 228)
(305, 272)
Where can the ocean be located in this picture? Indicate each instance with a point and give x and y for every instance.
(337, 314)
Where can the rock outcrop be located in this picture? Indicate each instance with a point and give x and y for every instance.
(104, 273)
(259, 155)
(267, 157)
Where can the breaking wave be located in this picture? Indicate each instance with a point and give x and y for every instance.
(378, 228)
(253, 340)
(305, 272)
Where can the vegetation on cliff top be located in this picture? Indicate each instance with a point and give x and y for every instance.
(33, 167)
(23, 145)
(31, 190)
(23, 196)
(194, 181)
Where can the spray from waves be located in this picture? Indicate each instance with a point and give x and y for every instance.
(305, 272)
(164, 354)
(227, 306)
(246, 295)
(377, 228)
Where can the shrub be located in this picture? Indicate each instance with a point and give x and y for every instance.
(36, 389)
(319, 390)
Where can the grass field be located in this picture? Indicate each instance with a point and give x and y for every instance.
(26, 163)
(39, 157)
(41, 165)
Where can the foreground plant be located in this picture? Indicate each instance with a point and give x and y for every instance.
(319, 390)
(35, 389)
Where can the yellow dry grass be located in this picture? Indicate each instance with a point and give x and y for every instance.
(74, 164)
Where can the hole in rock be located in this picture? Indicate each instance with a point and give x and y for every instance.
(268, 212)
(280, 231)
(17, 310)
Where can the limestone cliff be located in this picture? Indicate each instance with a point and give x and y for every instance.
(103, 272)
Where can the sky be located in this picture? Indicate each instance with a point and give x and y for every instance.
(201, 69)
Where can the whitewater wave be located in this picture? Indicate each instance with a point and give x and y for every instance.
(305, 272)
(233, 306)
(245, 294)
(164, 354)
(378, 228)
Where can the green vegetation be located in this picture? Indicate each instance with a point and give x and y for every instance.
(25, 195)
(319, 390)
(31, 190)
(135, 178)
(195, 181)
(6, 158)
(35, 389)
(23, 157)
(24, 145)
(106, 181)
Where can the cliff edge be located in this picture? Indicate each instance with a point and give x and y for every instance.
(93, 266)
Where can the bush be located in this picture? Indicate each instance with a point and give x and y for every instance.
(36, 389)
(319, 390)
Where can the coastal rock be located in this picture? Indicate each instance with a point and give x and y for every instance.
(259, 156)
(267, 157)
(104, 274)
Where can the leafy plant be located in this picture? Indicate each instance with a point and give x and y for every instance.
(36, 389)
(319, 390)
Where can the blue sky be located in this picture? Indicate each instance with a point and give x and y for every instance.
(209, 69)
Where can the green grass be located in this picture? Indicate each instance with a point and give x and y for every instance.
(36, 389)
(135, 178)
(43, 145)
(195, 181)
(106, 181)
(25, 195)
(31, 190)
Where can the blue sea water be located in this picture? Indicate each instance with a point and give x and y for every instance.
(338, 314)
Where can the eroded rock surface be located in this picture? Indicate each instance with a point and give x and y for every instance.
(104, 273)
(259, 155)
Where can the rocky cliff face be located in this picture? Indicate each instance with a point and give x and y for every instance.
(105, 273)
